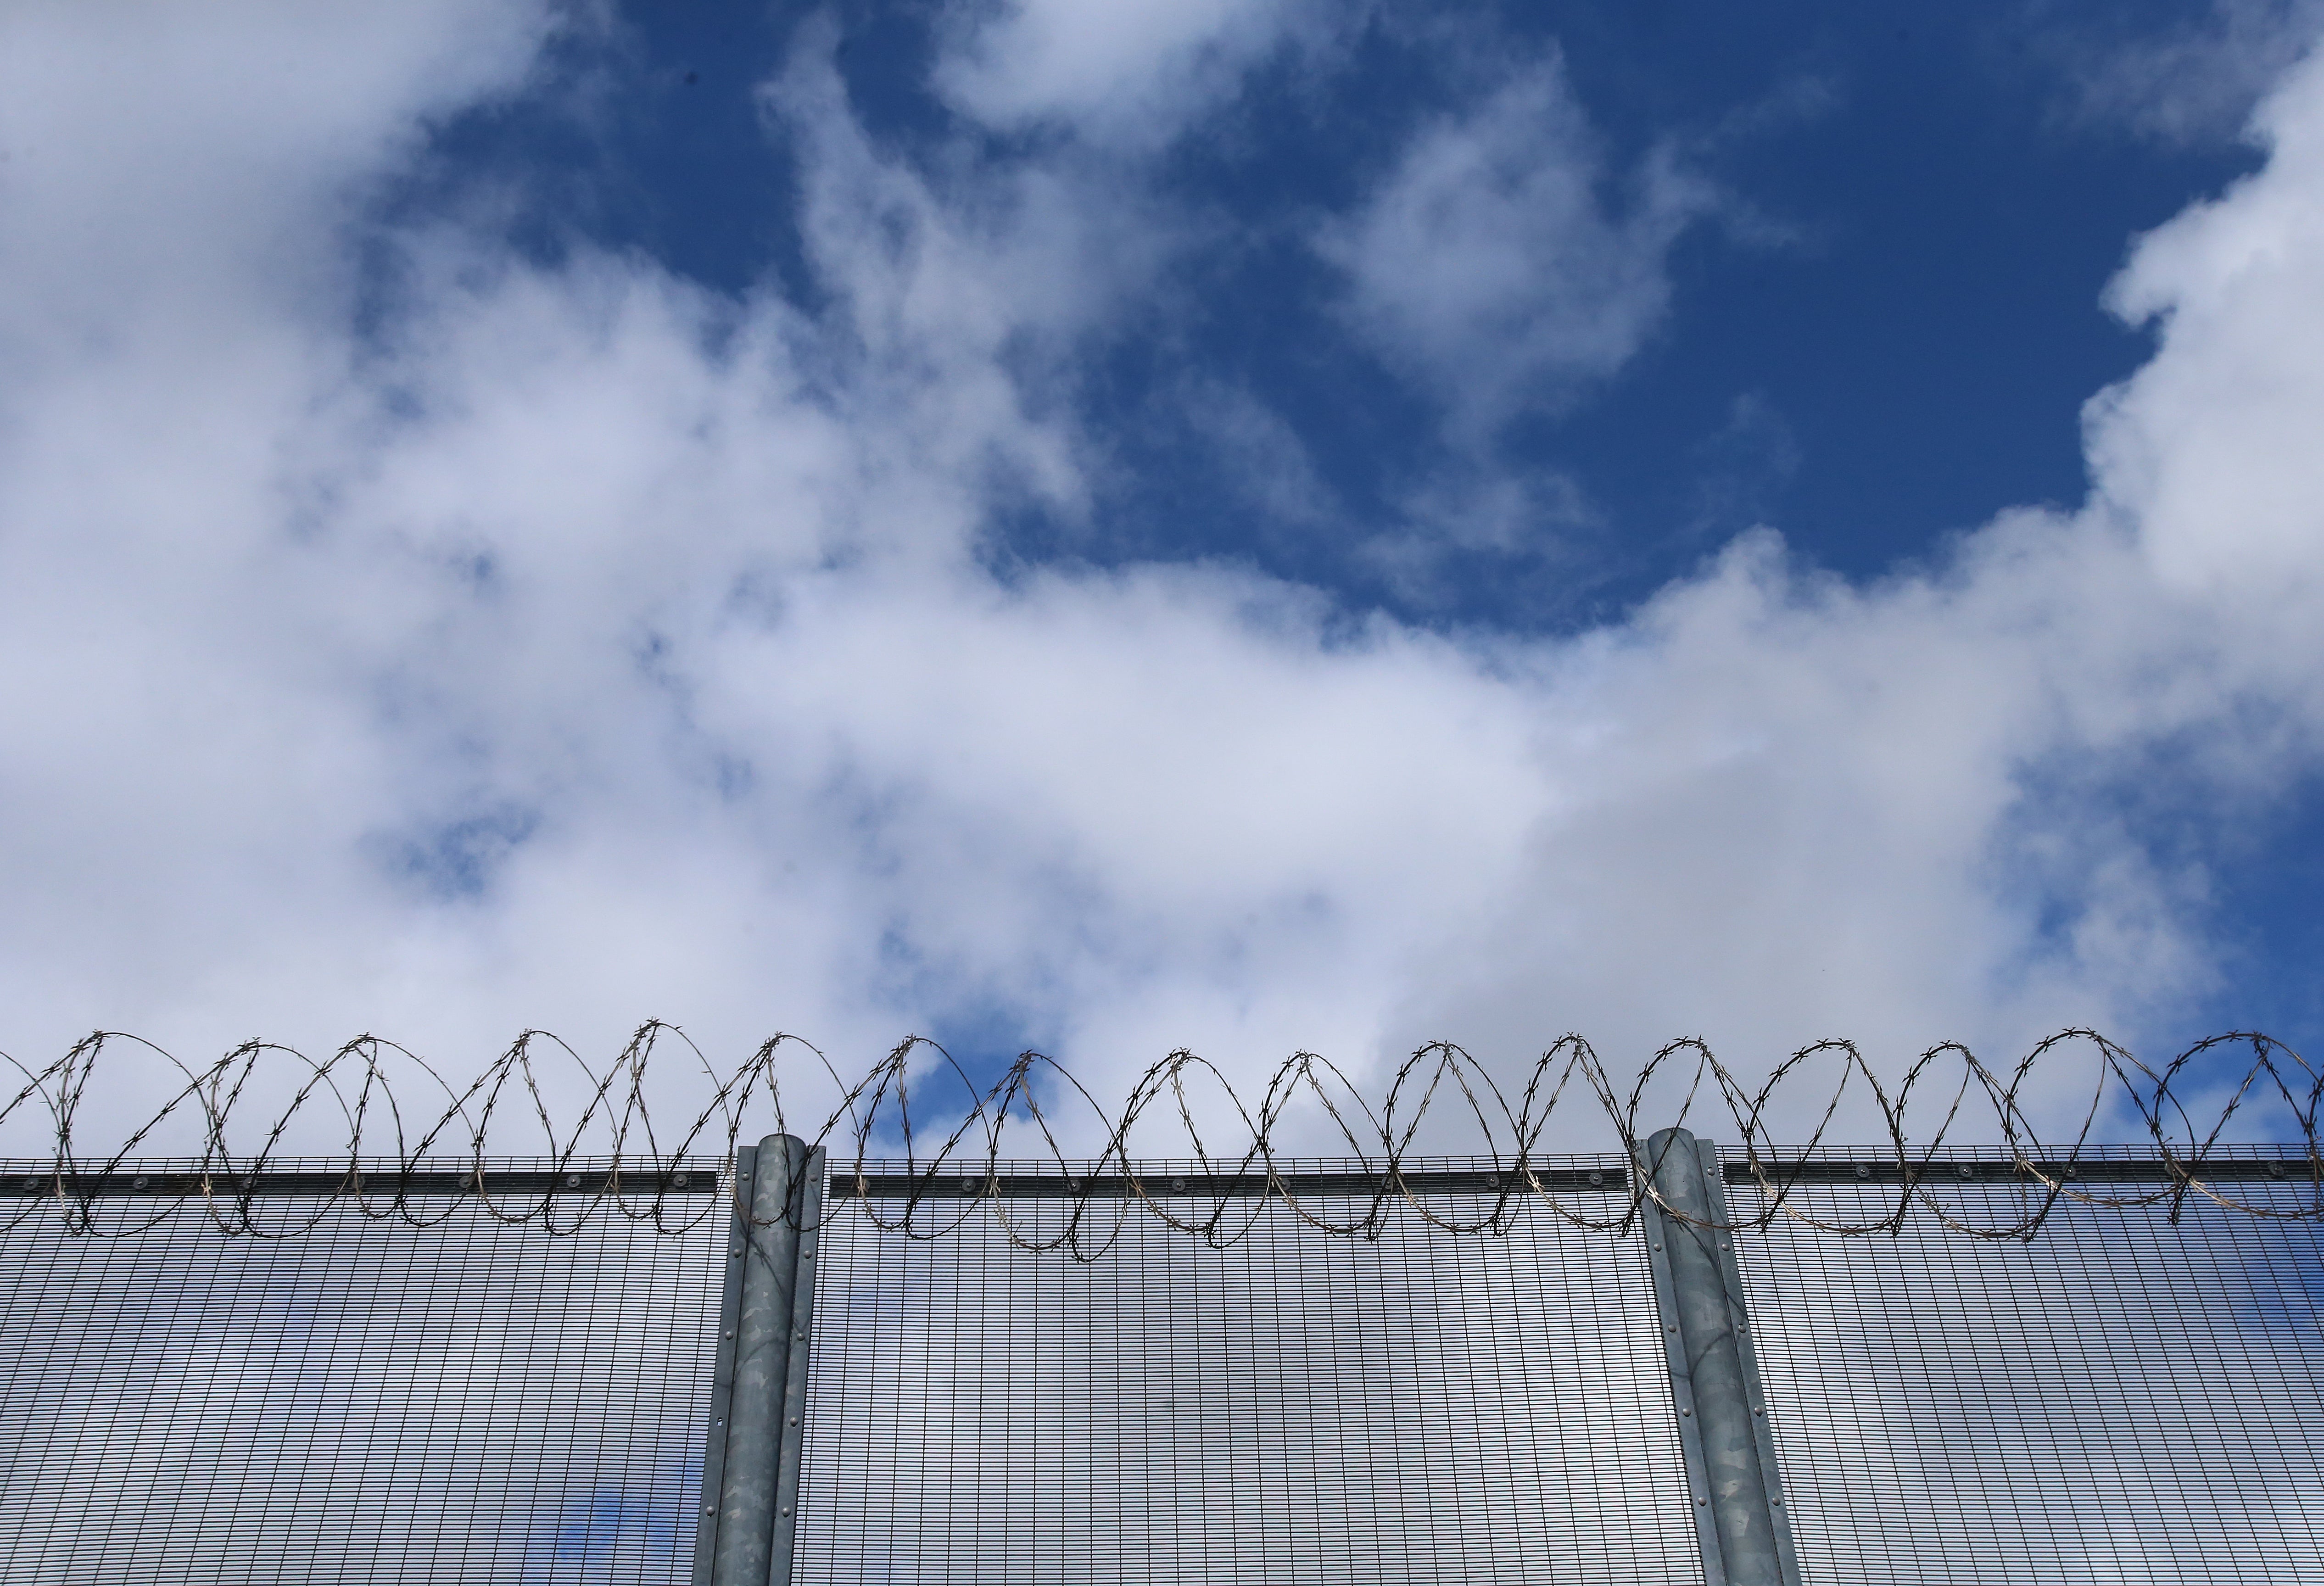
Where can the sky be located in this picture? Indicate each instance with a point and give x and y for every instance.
(1245, 528)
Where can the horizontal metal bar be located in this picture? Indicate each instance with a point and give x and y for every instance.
(178, 1183)
(899, 1187)
(1991, 1170)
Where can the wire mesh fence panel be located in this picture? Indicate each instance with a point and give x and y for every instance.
(2118, 1399)
(1297, 1406)
(361, 1400)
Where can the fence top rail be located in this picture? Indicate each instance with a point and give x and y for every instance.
(1967, 1168)
(890, 1180)
(179, 1179)
(900, 1180)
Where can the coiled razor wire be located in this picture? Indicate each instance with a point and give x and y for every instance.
(385, 1146)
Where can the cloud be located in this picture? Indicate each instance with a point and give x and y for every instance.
(1521, 524)
(2205, 448)
(557, 644)
(2196, 81)
(1130, 75)
(1489, 265)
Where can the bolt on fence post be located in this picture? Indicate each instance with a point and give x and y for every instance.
(755, 1364)
(1732, 1482)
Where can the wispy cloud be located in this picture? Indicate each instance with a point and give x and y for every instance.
(1502, 262)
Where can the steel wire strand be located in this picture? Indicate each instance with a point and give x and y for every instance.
(962, 1177)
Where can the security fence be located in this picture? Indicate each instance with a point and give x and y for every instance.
(333, 1395)
(1416, 1406)
(2134, 1393)
(482, 1372)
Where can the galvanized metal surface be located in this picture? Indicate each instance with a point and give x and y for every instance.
(382, 1183)
(795, 1386)
(1755, 1381)
(721, 1379)
(950, 1183)
(1961, 1167)
(1720, 1405)
(742, 1550)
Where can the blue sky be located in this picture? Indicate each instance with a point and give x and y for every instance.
(1249, 527)
(1891, 270)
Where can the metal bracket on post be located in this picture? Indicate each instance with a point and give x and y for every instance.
(1733, 1486)
(743, 1473)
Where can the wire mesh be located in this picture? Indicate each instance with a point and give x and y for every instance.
(2118, 1398)
(1297, 1406)
(422, 1386)
(359, 1401)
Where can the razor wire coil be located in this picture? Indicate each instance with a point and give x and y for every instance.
(386, 1146)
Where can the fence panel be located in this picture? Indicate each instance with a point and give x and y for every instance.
(1298, 1406)
(2117, 1399)
(338, 1394)
(365, 1400)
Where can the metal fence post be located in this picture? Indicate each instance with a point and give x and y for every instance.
(787, 1482)
(1733, 1486)
(737, 1546)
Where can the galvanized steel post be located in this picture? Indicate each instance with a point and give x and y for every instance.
(790, 1433)
(773, 1186)
(1733, 1486)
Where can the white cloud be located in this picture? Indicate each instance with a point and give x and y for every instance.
(1129, 74)
(1488, 265)
(2208, 449)
(178, 161)
(579, 649)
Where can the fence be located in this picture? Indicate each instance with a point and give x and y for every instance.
(1663, 1363)
(2122, 1398)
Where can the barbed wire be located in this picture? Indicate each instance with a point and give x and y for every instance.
(873, 1127)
